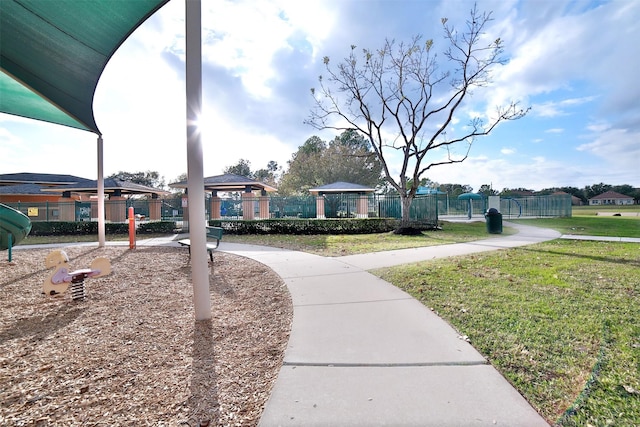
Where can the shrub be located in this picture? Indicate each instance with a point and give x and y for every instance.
(50, 228)
(307, 226)
(160, 227)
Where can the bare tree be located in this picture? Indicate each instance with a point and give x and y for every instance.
(403, 104)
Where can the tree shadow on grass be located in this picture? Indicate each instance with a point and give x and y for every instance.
(611, 259)
(203, 402)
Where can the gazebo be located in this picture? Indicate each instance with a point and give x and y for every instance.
(232, 182)
(117, 191)
(362, 206)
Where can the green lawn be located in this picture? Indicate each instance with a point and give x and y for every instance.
(560, 320)
(609, 209)
(338, 245)
(615, 226)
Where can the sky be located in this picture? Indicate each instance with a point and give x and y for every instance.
(574, 63)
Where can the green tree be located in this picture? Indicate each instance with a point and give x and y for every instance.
(402, 103)
(454, 190)
(516, 192)
(487, 190)
(268, 175)
(347, 157)
(148, 178)
(625, 189)
(242, 168)
(591, 191)
(574, 191)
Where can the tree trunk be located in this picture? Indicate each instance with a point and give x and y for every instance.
(405, 222)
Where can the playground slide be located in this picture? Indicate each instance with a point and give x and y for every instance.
(14, 222)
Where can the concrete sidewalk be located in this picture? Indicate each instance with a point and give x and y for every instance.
(364, 353)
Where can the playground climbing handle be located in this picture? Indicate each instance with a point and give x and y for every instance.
(14, 223)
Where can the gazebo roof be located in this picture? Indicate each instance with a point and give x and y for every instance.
(228, 182)
(111, 185)
(341, 187)
(21, 189)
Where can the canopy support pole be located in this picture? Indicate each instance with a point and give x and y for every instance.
(101, 232)
(195, 173)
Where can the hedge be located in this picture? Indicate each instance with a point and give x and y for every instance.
(50, 228)
(309, 226)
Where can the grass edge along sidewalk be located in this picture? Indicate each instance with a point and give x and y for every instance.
(560, 320)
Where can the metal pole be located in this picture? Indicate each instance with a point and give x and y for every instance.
(132, 229)
(101, 233)
(195, 180)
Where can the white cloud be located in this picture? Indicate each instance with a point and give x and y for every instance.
(598, 127)
(554, 130)
(508, 151)
(618, 148)
(558, 108)
(536, 173)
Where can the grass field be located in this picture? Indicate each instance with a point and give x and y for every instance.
(609, 209)
(560, 320)
(615, 226)
(349, 244)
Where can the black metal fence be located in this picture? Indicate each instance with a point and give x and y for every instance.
(423, 209)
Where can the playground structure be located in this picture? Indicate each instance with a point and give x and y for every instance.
(14, 226)
(61, 279)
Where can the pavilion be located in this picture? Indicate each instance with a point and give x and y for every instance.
(232, 182)
(116, 190)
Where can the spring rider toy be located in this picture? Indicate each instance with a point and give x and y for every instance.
(62, 279)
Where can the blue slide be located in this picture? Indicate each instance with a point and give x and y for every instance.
(12, 222)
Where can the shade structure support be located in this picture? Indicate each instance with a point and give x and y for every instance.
(101, 217)
(195, 172)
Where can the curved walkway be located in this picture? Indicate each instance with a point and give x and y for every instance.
(364, 353)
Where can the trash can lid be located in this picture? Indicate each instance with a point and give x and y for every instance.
(493, 211)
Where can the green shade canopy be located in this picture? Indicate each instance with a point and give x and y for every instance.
(470, 196)
(52, 53)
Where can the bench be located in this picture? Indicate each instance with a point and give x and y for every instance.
(212, 233)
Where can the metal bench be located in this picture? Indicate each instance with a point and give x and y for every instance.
(212, 233)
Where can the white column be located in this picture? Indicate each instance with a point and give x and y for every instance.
(195, 181)
(101, 232)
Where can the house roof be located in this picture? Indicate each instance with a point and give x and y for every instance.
(342, 187)
(610, 195)
(228, 182)
(38, 178)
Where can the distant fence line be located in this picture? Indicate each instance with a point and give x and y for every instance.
(423, 209)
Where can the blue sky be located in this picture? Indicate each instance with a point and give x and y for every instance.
(573, 62)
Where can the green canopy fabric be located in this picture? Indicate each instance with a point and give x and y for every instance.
(52, 53)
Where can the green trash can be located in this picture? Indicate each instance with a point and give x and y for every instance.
(494, 221)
